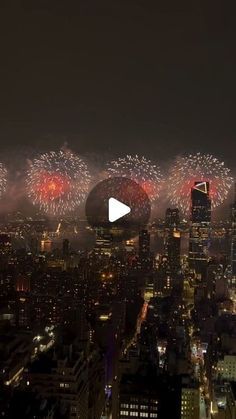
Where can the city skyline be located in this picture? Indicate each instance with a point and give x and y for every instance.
(57, 183)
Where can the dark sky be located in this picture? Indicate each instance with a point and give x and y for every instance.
(141, 76)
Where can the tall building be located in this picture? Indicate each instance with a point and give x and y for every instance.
(217, 282)
(144, 244)
(96, 383)
(200, 228)
(62, 373)
(144, 248)
(65, 247)
(172, 239)
(34, 245)
(172, 218)
(224, 400)
(163, 283)
(233, 236)
(173, 251)
(23, 301)
(138, 396)
(190, 399)
(226, 368)
(103, 245)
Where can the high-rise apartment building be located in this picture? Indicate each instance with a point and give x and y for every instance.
(200, 227)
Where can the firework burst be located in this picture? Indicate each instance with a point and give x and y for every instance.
(3, 179)
(139, 169)
(57, 182)
(194, 168)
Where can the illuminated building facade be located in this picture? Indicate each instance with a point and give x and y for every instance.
(46, 245)
(172, 218)
(200, 227)
(172, 239)
(226, 368)
(144, 249)
(190, 399)
(23, 301)
(103, 243)
(173, 251)
(138, 398)
(233, 236)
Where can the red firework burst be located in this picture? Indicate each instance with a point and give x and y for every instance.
(51, 186)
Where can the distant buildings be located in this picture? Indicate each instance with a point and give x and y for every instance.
(217, 282)
(233, 236)
(65, 248)
(144, 249)
(172, 239)
(172, 218)
(103, 244)
(173, 251)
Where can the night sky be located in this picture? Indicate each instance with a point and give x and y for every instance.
(118, 76)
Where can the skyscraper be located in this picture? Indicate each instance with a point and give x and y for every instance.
(190, 399)
(172, 239)
(200, 227)
(233, 236)
(173, 251)
(144, 244)
(144, 248)
(139, 395)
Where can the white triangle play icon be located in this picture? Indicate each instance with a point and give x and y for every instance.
(117, 209)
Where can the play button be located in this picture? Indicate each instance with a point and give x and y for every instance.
(117, 210)
(119, 207)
